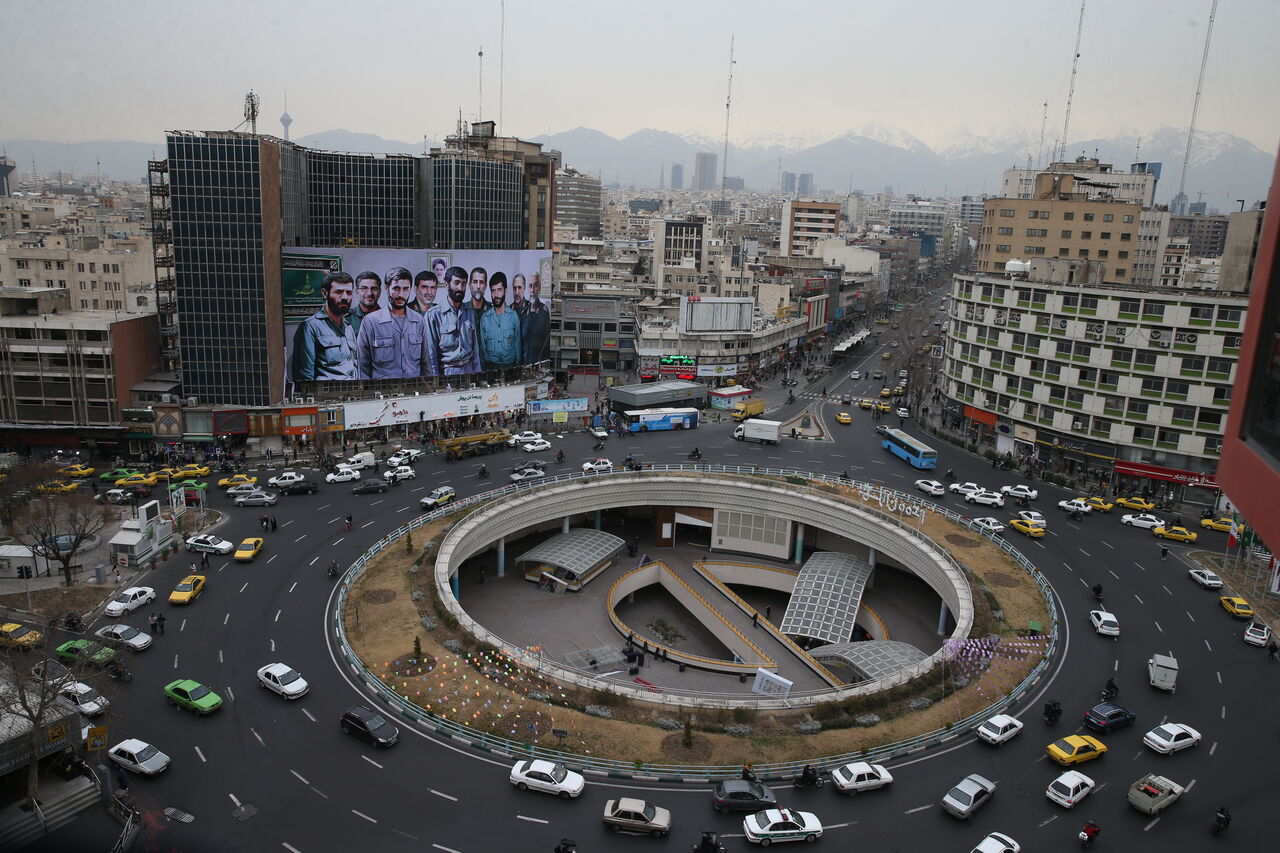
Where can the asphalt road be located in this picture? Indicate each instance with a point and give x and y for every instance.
(266, 774)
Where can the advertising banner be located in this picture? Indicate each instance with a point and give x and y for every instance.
(410, 313)
(570, 404)
(720, 369)
(432, 407)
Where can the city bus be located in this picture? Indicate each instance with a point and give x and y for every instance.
(919, 454)
(644, 420)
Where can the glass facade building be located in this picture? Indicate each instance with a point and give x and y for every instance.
(476, 204)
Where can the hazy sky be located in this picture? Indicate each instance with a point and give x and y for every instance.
(130, 69)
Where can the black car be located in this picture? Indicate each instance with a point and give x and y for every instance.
(300, 487)
(364, 487)
(527, 464)
(739, 795)
(1108, 717)
(368, 725)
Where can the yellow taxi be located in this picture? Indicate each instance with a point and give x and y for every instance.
(1135, 502)
(843, 418)
(1075, 749)
(137, 480)
(237, 480)
(192, 470)
(864, 403)
(883, 407)
(886, 356)
(1236, 606)
(19, 636)
(1221, 524)
(57, 487)
(187, 590)
(898, 390)
(249, 549)
(1178, 534)
(885, 392)
(77, 470)
(165, 473)
(1098, 504)
(882, 322)
(1027, 528)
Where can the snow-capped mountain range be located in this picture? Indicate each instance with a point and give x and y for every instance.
(871, 157)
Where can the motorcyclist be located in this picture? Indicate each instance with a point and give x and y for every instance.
(1090, 830)
(483, 472)
(1097, 591)
(1111, 689)
(348, 520)
(748, 775)
(709, 843)
(1222, 818)
(950, 475)
(559, 455)
(809, 776)
(333, 568)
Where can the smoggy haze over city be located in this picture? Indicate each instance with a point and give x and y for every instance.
(79, 71)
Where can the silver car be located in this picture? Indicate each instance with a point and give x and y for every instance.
(256, 498)
(969, 795)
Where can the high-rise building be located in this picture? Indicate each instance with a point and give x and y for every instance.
(788, 183)
(677, 176)
(805, 221)
(476, 202)
(733, 183)
(1206, 235)
(804, 186)
(680, 255)
(704, 171)
(6, 169)
(579, 201)
(1240, 254)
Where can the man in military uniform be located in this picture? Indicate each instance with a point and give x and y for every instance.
(324, 344)
(500, 345)
(368, 292)
(479, 280)
(519, 304)
(451, 329)
(425, 285)
(392, 342)
(536, 328)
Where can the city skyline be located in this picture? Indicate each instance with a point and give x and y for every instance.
(1139, 62)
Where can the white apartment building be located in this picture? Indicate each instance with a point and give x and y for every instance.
(1099, 178)
(119, 276)
(1053, 364)
(805, 222)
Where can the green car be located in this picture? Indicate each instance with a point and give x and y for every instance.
(192, 695)
(118, 474)
(85, 650)
(189, 484)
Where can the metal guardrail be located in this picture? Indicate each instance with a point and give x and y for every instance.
(508, 748)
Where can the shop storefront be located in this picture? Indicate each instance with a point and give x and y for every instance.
(1168, 485)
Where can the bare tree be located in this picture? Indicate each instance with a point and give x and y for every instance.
(57, 527)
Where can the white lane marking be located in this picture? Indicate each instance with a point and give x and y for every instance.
(1139, 600)
(234, 800)
(1153, 823)
(200, 755)
(1139, 565)
(324, 506)
(335, 520)
(300, 538)
(378, 501)
(175, 661)
(339, 541)
(272, 557)
(404, 509)
(879, 462)
(1219, 674)
(1224, 712)
(313, 560)
(1213, 748)
(840, 825)
(1189, 616)
(293, 586)
(1190, 785)
(300, 778)
(918, 809)
(531, 819)
(308, 713)
(1113, 574)
(258, 736)
(445, 849)
(246, 586)
(445, 796)
(1158, 628)
(1083, 551)
(365, 816)
(226, 619)
(273, 644)
(220, 656)
(1108, 544)
(371, 761)
(366, 524)
(1047, 821)
(287, 846)
(1166, 589)
(420, 489)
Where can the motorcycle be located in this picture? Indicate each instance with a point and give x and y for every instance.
(949, 476)
(483, 473)
(119, 672)
(333, 569)
(1109, 693)
(1221, 820)
(599, 445)
(695, 454)
(72, 622)
(560, 456)
(801, 783)
(1090, 832)
(1052, 712)
(709, 843)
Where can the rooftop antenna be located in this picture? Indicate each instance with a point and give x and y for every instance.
(251, 103)
(1071, 90)
(1195, 109)
(1044, 119)
(502, 55)
(480, 108)
(728, 101)
(1137, 151)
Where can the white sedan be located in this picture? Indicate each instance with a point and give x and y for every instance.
(87, 700)
(210, 545)
(930, 487)
(138, 756)
(523, 438)
(985, 498)
(902, 413)
(1206, 578)
(398, 473)
(405, 456)
(997, 842)
(527, 474)
(342, 475)
(860, 776)
(988, 524)
(999, 729)
(125, 635)
(1257, 634)
(1020, 492)
(536, 445)
(284, 680)
(1069, 788)
(1171, 737)
(128, 600)
(548, 777)
(285, 478)
(1105, 623)
(1075, 505)
(1032, 516)
(965, 488)
(774, 825)
(599, 432)
(1145, 521)
(595, 466)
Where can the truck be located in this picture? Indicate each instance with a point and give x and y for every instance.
(1152, 794)
(1162, 671)
(655, 395)
(473, 445)
(360, 461)
(755, 429)
(744, 409)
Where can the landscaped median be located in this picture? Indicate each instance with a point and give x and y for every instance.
(407, 639)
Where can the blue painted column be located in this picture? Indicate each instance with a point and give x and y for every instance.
(502, 556)
(453, 584)
(599, 519)
(942, 619)
(799, 542)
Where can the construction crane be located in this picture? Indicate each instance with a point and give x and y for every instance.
(1071, 89)
(728, 100)
(1195, 108)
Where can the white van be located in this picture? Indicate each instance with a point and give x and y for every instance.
(361, 461)
(1162, 671)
